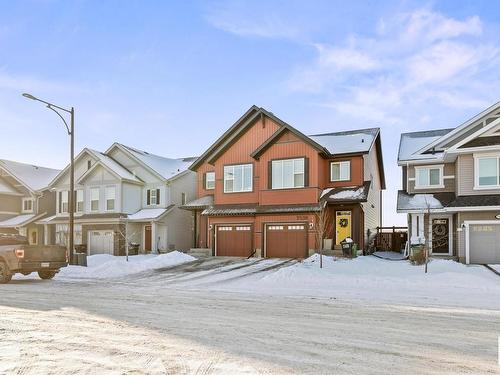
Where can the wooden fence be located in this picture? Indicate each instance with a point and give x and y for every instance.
(391, 238)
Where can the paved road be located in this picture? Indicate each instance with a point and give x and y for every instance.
(155, 323)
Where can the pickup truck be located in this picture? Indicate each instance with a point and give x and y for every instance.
(17, 256)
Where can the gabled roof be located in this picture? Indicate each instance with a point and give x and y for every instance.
(165, 168)
(33, 177)
(461, 129)
(113, 166)
(410, 143)
(20, 220)
(7, 189)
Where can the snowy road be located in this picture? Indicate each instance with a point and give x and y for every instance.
(172, 321)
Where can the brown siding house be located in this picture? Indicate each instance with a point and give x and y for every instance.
(264, 185)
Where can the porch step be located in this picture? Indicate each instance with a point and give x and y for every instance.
(200, 252)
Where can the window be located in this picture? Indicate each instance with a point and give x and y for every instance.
(210, 180)
(63, 201)
(238, 178)
(288, 173)
(153, 197)
(94, 199)
(340, 171)
(110, 198)
(488, 172)
(428, 177)
(79, 201)
(183, 198)
(28, 204)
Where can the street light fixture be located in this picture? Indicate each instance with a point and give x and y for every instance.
(71, 132)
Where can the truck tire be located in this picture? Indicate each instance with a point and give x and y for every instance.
(5, 275)
(46, 275)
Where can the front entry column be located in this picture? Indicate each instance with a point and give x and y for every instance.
(154, 237)
(46, 239)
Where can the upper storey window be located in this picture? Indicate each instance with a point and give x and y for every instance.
(429, 177)
(487, 172)
(340, 171)
(210, 180)
(238, 178)
(288, 173)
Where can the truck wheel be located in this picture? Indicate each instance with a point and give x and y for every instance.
(5, 275)
(46, 275)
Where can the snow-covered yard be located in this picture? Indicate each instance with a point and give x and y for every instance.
(175, 314)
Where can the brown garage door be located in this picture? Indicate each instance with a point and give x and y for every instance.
(286, 241)
(233, 240)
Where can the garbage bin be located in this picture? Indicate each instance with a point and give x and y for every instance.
(81, 259)
(133, 248)
(417, 254)
(346, 248)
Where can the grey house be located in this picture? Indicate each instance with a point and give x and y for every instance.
(25, 199)
(451, 186)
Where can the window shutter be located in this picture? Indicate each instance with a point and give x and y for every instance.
(157, 196)
(306, 172)
(205, 180)
(60, 201)
(269, 174)
(74, 201)
(148, 199)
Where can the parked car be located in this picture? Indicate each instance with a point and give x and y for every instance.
(17, 256)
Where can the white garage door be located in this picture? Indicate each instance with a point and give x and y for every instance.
(101, 242)
(484, 243)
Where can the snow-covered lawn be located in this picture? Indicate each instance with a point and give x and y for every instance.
(496, 267)
(108, 266)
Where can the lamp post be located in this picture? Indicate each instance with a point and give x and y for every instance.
(71, 199)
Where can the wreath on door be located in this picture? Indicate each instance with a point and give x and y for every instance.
(343, 223)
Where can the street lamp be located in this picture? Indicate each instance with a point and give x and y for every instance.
(71, 132)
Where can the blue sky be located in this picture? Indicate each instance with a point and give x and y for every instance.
(170, 77)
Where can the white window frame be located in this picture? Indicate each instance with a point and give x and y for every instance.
(79, 194)
(93, 200)
(227, 167)
(107, 199)
(64, 201)
(211, 180)
(281, 161)
(25, 200)
(477, 158)
(340, 163)
(151, 191)
(440, 167)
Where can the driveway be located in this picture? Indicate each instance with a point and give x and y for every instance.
(171, 320)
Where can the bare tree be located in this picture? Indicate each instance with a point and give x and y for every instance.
(323, 222)
(123, 232)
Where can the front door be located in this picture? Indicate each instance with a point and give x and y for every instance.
(342, 225)
(440, 236)
(147, 238)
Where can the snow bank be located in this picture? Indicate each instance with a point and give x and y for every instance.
(108, 266)
(377, 280)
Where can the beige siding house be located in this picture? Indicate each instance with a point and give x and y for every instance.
(451, 187)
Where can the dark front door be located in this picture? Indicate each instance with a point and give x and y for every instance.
(440, 236)
(147, 238)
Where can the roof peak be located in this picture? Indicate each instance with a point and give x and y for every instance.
(347, 132)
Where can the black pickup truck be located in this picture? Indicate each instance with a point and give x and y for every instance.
(17, 256)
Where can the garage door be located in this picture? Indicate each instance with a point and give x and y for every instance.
(286, 241)
(233, 240)
(101, 242)
(484, 244)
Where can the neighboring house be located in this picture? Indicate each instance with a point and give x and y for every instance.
(25, 198)
(454, 174)
(125, 195)
(263, 184)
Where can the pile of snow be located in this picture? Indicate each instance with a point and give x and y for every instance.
(372, 279)
(108, 266)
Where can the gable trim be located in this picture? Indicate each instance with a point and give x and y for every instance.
(66, 169)
(474, 135)
(99, 163)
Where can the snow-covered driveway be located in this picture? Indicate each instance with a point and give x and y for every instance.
(236, 316)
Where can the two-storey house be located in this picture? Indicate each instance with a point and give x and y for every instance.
(263, 187)
(25, 198)
(451, 188)
(125, 195)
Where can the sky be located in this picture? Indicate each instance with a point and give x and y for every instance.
(170, 77)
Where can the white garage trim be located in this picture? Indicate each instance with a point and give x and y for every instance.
(469, 222)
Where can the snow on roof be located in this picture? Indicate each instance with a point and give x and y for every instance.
(6, 188)
(348, 141)
(412, 142)
(148, 214)
(205, 201)
(34, 177)
(418, 202)
(166, 167)
(349, 194)
(114, 166)
(16, 221)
